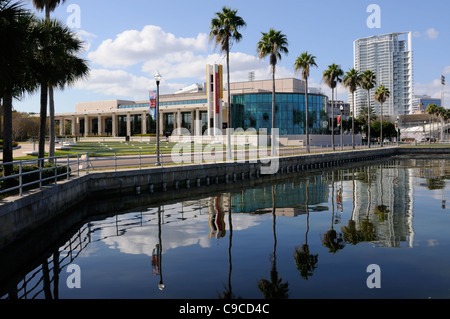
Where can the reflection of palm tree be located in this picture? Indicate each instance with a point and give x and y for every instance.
(305, 261)
(381, 210)
(227, 293)
(352, 235)
(275, 288)
(331, 239)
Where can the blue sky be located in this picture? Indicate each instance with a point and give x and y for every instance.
(128, 41)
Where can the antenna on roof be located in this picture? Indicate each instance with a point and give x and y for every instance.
(251, 76)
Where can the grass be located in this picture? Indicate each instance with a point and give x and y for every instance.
(98, 149)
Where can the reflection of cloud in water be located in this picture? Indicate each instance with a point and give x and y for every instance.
(181, 233)
(432, 242)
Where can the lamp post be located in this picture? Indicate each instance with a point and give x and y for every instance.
(157, 79)
(342, 138)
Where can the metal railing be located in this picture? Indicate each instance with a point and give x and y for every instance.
(73, 165)
(41, 171)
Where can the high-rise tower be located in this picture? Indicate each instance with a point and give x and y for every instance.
(390, 57)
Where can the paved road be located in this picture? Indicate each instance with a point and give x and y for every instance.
(110, 162)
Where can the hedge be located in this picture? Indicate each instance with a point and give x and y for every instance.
(28, 178)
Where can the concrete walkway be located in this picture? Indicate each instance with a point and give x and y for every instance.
(23, 149)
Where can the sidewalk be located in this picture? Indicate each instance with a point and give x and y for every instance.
(22, 149)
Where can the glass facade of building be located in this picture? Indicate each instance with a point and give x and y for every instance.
(255, 111)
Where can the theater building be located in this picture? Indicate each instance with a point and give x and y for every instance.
(202, 107)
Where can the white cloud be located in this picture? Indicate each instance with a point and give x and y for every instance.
(447, 70)
(120, 84)
(432, 34)
(181, 62)
(432, 89)
(132, 47)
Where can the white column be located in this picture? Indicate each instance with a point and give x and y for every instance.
(128, 124)
(114, 125)
(198, 123)
(61, 126)
(160, 118)
(100, 125)
(143, 123)
(74, 125)
(86, 125)
(192, 123)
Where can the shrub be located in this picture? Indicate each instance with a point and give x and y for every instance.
(34, 176)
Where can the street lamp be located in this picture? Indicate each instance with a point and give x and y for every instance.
(342, 138)
(157, 79)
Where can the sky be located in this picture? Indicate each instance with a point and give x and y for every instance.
(127, 42)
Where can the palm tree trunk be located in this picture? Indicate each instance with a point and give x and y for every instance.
(368, 118)
(51, 105)
(43, 120)
(332, 118)
(353, 120)
(7, 133)
(272, 142)
(307, 115)
(1, 113)
(229, 107)
(51, 151)
(381, 129)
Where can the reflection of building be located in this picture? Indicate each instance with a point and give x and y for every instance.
(290, 197)
(384, 196)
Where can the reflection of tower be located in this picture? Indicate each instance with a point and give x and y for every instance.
(155, 259)
(216, 218)
(389, 187)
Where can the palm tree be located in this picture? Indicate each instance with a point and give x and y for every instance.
(352, 80)
(332, 77)
(440, 112)
(15, 26)
(367, 83)
(49, 6)
(272, 44)
(58, 64)
(224, 30)
(432, 109)
(381, 94)
(304, 62)
(446, 117)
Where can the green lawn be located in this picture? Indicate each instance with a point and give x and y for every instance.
(97, 149)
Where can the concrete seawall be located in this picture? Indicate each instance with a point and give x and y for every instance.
(20, 215)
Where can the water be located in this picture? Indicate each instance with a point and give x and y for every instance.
(301, 236)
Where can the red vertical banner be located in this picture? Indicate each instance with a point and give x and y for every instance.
(217, 92)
